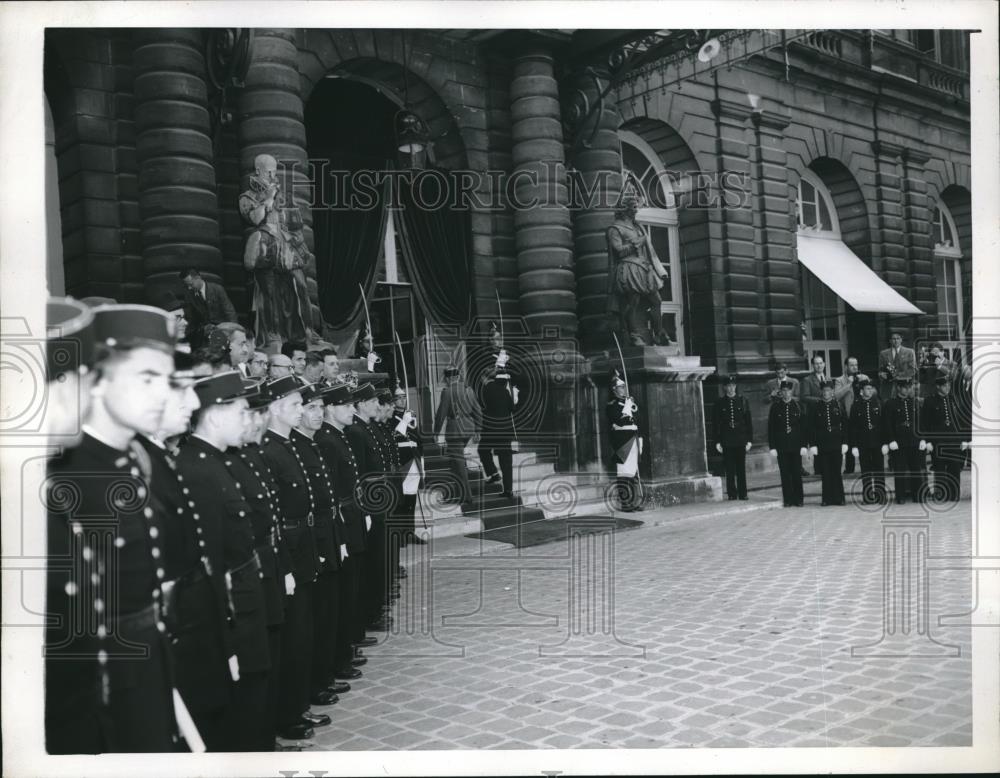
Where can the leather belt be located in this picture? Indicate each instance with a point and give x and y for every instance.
(147, 618)
(305, 521)
(253, 563)
(626, 427)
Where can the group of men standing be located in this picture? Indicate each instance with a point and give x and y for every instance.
(219, 546)
(844, 422)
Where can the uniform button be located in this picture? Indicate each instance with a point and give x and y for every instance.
(95, 579)
(77, 529)
(154, 532)
(99, 606)
(180, 511)
(102, 657)
(70, 588)
(185, 490)
(243, 513)
(201, 455)
(87, 554)
(195, 516)
(148, 513)
(190, 504)
(156, 594)
(134, 470)
(198, 530)
(260, 497)
(201, 544)
(141, 491)
(161, 626)
(121, 462)
(159, 572)
(102, 631)
(155, 552)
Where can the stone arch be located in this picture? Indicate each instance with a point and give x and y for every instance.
(958, 200)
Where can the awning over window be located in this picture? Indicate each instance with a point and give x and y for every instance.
(833, 263)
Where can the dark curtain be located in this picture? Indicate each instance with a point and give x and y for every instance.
(436, 247)
(348, 243)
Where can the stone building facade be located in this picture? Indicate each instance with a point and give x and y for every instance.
(857, 137)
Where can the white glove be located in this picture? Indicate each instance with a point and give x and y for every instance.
(343, 551)
(440, 439)
(774, 453)
(885, 450)
(894, 446)
(514, 393)
(322, 560)
(404, 423)
(502, 358)
(964, 445)
(923, 445)
(368, 523)
(289, 584)
(629, 407)
(813, 450)
(749, 445)
(855, 453)
(803, 451)
(718, 447)
(930, 447)
(843, 448)
(372, 360)
(234, 667)
(640, 445)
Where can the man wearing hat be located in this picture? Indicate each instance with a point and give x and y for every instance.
(108, 683)
(940, 418)
(330, 547)
(826, 430)
(296, 507)
(499, 436)
(865, 438)
(410, 448)
(895, 362)
(69, 352)
(733, 437)
(785, 439)
(901, 434)
(345, 474)
(460, 415)
(622, 413)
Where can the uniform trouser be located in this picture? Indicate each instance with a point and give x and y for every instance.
(487, 448)
(849, 462)
(296, 655)
(350, 622)
(270, 720)
(211, 725)
(734, 460)
(872, 463)
(790, 469)
(373, 578)
(326, 614)
(629, 492)
(455, 451)
(245, 726)
(908, 464)
(947, 462)
(829, 462)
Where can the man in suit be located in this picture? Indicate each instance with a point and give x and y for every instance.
(774, 385)
(204, 303)
(296, 352)
(460, 415)
(812, 393)
(895, 362)
(847, 389)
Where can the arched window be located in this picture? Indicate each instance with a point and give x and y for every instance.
(642, 165)
(824, 326)
(948, 273)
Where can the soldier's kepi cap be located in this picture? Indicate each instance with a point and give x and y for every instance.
(729, 379)
(904, 381)
(220, 388)
(861, 383)
(363, 392)
(69, 336)
(786, 385)
(338, 394)
(281, 387)
(256, 394)
(827, 385)
(942, 379)
(310, 392)
(135, 326)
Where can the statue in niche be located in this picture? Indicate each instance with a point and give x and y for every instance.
(635, 277)
(277, 255)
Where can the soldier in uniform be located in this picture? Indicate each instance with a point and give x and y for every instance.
(296, 507)
(733, 437)
(330, 547)
(345, 474)
(108, 684)
(865, 437)
(827, 433)
(385, 432)
(69, 356)
(940, 418)
(622, 413)
(195, 595)
(901, 420)
(410, 451)
(785, 437)
(499, 436)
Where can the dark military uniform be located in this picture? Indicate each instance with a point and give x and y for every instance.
(409, 453)
(625, 445)
(344, 473)
(295, 505)
(498, 430)
(220, 497)
(940, 418)
(901, 420)
(196, 601)
(865, 434)
(733, 430)
(786, 436)
(107, 660)
(827, 432)
(329, 536)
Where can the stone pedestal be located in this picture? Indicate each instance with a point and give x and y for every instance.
(668, 390)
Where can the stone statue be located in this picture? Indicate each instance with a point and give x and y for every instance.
(635, 277)
(276, 254)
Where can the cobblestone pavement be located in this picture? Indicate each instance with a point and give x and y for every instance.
(730, 629)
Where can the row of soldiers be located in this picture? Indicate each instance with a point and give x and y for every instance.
(902, 428)
(219, 547)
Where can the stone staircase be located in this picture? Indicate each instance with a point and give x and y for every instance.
(539, 493)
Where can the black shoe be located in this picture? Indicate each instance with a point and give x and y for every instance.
(367, 641)
(325, 697)
(744, 497)
(338, 687)
(348, 674)
(382, 625)
(311, 719)
(732, 497)
(300, 731)
(823, 504)
(507, 496)
(798, 505)
(496, 478)
(359, 661)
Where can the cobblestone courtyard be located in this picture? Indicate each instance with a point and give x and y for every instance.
(734, 628)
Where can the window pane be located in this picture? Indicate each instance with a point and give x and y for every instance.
(660, 238)
(949, 273)
(808, 214)
(834, 365)
(669, 322)
(824, 215)
(807, 192)
(403, 317)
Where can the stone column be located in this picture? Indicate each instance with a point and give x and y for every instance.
(598, 163)
(177, 199)
(917, 240)
(888, 251)
(270, 114)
